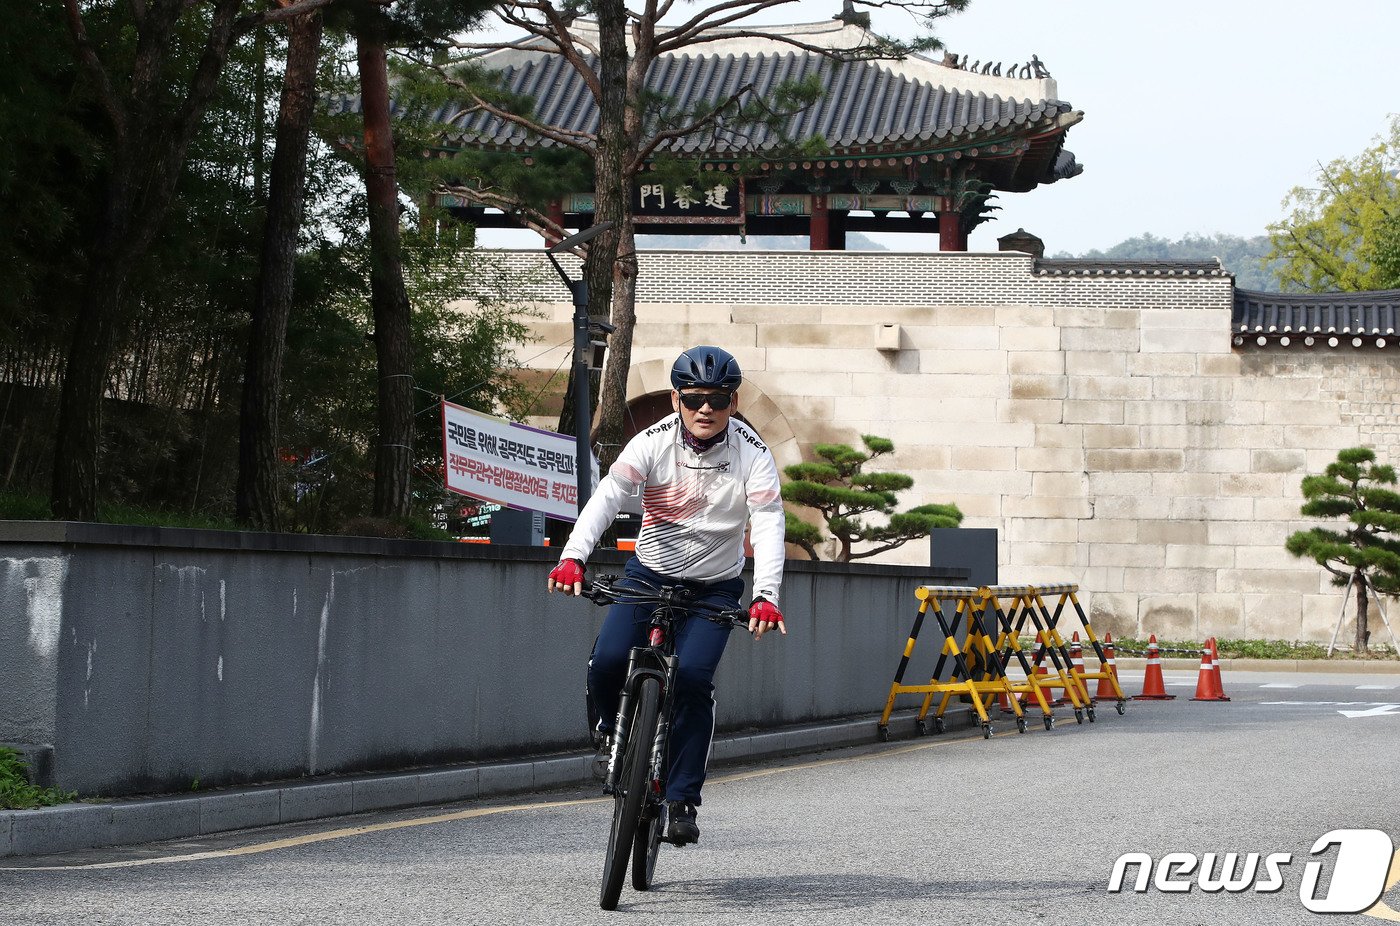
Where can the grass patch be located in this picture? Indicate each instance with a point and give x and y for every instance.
(1253, 649)
(16, 507)
(16, 793)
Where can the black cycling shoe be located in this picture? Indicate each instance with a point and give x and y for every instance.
(682, 829)
(601, 757)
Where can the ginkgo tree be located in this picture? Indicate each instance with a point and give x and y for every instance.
(1366, 554)
(846, 496)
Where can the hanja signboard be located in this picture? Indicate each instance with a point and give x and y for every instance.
(509, 463)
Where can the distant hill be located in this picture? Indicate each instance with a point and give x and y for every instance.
(1244, 257)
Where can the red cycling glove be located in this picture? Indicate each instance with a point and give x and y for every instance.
(568, 573)
(764, 610)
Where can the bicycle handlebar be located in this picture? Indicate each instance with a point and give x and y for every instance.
(608, 589)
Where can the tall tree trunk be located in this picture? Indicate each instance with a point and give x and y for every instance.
(1363, 634)
(256, 496)
(392, 318)
(615, 264)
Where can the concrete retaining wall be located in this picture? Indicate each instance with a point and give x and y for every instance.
(151, 659)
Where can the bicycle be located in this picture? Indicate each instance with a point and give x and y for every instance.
(637, 762)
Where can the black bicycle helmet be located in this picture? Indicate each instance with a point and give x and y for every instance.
(706, 367)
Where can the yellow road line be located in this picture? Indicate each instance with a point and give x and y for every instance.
(351, 831)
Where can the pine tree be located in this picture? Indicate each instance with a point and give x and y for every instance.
(843, 493)
(1367, 553)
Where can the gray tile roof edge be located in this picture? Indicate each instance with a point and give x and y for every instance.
(70, 827)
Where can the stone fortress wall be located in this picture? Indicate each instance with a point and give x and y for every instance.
(1099, 417)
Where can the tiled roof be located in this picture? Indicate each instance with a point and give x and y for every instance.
(908, 105)
(1130, 268)
(1309, 319)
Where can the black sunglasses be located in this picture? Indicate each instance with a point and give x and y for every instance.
(719, 401)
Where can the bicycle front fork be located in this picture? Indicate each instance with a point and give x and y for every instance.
(622, 726)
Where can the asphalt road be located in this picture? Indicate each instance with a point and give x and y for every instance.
(951, 829)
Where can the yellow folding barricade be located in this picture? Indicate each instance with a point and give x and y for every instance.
(969, 604)
(1007, 602)
(1069, 593)
(1052, 652)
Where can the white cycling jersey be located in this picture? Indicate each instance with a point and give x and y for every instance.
(694, 506)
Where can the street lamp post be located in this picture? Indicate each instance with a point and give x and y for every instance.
(583, 338)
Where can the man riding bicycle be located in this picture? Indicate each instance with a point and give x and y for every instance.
(702, 478)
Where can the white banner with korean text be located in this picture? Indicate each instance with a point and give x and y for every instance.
(509, 463)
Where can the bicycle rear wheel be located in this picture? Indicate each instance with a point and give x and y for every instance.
(630, 797)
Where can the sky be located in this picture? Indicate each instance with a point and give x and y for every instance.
(1199, 117)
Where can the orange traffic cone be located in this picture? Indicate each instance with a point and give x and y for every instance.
(1205, 679)
(1153, 688)
(1038, 659)
(1076, 663)
(1004, 702)
(1215, 667)
(1105, 689)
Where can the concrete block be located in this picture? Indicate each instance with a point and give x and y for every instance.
(667, 336)
(1042, 554)
(1044, 530)
(1211, 509)
(1170, 617)
(1266, 557)
(1029, 339)
(1048, 507)
(767, 744)
(383, 792)
(1183, 340)
(1099, 530)
(1212, 460)
(772, 315)
(1128, 388)
(1161, 364)
(730, 749)
(506, 778)
(1103, 579)
(238, 810)
(1215, 413)
(1178, 484)
(1036, 363)
(1178, 580)
(1219, 364)
(1135, 507)
(313, 800)
(1109, 436)
(805, 740)
(1039, 411)
(1095, 363)
(1060, 485)
(60, 829)
(1174, 532)
(1054, 436)
(953, 337)
(1155, 461)
(1024, 316)
(1060, 460)
(1251, 484)
(1083, 411)
(6, 822)
(1277, 461)
(1128, 554)
(1154, 413)
(449, 786)
(1276, 509)
(562, 771)
(1108, 484)
(778, 384)
(1320, 436)
(1116, 340)
(1200, 557)
(1221, 615)
(983, 458)
(1077, 317)
(817, 359)
(1304, 413)
(1273, 617)
(1270, 581)
(1038, 387)
(1113, 613)
(1192, 388)
(154, 820)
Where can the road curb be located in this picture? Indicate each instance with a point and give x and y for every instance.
(1340, 666)
(70, 827)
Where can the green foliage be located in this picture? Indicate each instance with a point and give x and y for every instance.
(1367, 551)
(1344, 233)
(843, 493)
(16, 793)
(1244, 257)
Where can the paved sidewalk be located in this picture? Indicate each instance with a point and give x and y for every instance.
(136, 820)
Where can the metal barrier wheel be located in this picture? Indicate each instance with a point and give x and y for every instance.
(1049, 722)
(882, 733)
(1020, 725)
(1120, 708)
(921, 725)
(986, 731)
(1079, 715)
(938, 725)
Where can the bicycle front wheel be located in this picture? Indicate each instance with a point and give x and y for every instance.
(630, 797)
(646, 847)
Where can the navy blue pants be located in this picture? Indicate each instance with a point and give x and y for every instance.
(699, 646)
